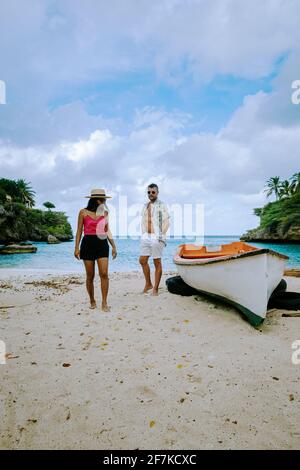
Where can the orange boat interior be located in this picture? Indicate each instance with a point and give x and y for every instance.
(202, 252)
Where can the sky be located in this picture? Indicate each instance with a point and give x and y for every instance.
(194, 95)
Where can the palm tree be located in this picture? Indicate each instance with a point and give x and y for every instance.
(25, 192)
(295, 183)
(10, 187)
(285, 189)
(273, 186)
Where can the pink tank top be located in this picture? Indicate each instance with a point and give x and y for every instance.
(94, 226)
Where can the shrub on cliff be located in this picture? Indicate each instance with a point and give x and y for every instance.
(20, 221)
(279, 220)
(283, 212)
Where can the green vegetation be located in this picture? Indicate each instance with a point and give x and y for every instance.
(282, 189)
(49, 205)
(284, 212)
(17, 191)
(20, 221)
(279, 220)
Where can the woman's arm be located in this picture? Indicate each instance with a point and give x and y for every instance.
(113, 246)
(78, 233)
(110, 238)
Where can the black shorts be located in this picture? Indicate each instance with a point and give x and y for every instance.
(92, 248)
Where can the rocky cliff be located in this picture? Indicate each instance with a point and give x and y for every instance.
(279, 222)
(19, 223)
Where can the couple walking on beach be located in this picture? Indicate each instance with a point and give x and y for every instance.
(93, 221)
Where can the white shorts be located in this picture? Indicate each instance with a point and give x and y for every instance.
(150, 246)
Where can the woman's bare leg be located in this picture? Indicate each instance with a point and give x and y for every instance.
(90, 274)
(103, 273)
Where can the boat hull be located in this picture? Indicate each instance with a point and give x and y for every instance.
(245, 281)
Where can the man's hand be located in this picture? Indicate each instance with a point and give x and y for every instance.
(77, 253)
(114, 253)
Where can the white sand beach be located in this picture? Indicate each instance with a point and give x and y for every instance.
(155, 373)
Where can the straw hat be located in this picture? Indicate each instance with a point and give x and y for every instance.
(98, 193)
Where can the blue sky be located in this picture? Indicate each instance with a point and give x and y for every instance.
(210, 104)
(194, 95)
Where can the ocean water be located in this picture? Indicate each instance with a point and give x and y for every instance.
(60, 257)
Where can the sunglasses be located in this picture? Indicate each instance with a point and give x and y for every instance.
(151, 192)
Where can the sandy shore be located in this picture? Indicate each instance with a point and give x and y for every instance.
(155, 373)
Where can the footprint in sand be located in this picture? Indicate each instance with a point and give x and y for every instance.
(194, 378)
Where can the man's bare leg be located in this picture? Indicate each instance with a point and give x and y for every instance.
(158, 273)
(146, 270)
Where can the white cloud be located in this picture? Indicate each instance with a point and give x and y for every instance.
(75, 41)
(225, 171)
(98, 145)
(64, 151)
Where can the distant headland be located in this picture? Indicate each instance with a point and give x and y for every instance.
(279, 220)
(21, 221)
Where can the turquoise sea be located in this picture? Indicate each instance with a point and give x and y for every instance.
(60, 257)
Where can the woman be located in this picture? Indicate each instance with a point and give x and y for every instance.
(94, 245)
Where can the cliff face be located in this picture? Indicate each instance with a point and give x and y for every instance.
(279, 235)
(279, 222)
(19, 223)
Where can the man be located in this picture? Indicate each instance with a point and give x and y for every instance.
(154, 225)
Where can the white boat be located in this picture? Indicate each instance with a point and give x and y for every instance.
(243, 275)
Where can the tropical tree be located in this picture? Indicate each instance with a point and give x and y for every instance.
(25, 193)
(3, 195)
(10, 188)
(295, 182)
(49, 205)
(285, 189)
(258, 211)
(273, 186)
